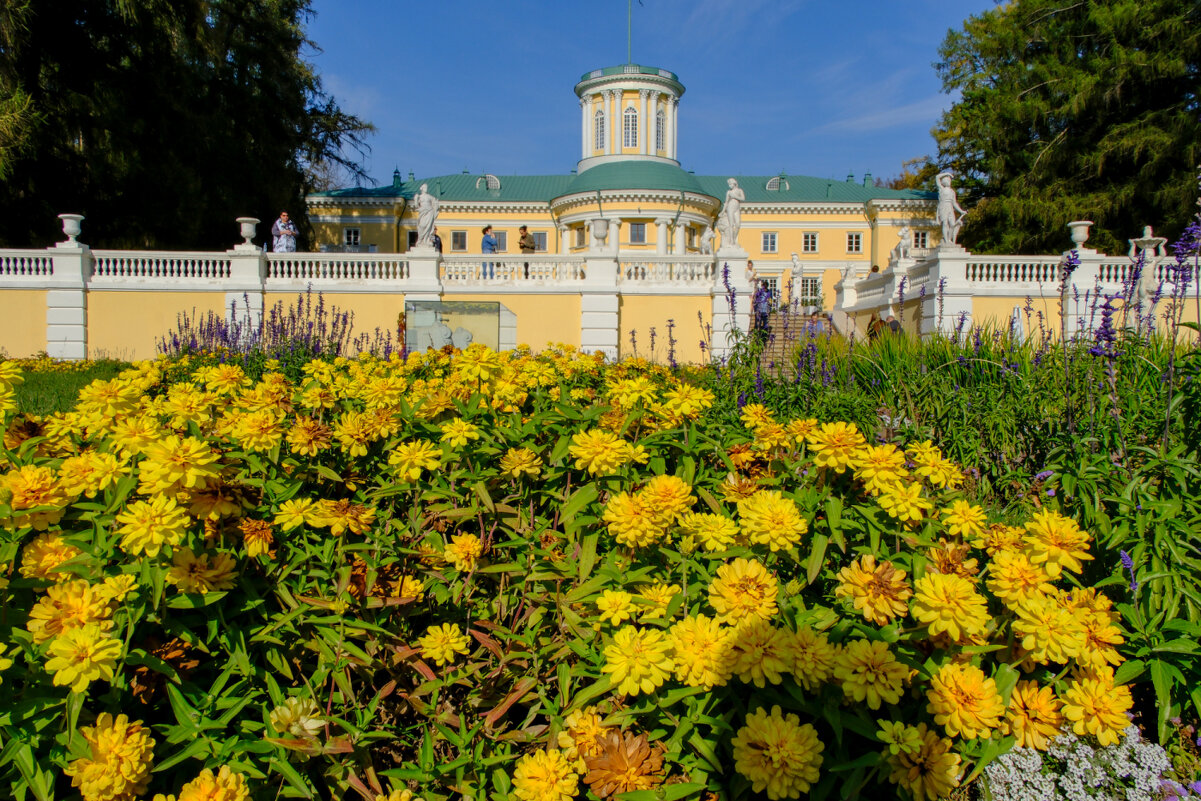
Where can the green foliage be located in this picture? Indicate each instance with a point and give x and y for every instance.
(1072, 111)
(55, 387)
(161, 122)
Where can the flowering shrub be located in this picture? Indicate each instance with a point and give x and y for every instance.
(513, 576)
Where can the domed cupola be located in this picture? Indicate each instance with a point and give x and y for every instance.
(628, 113)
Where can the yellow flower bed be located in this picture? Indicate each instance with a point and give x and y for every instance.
(507, 575)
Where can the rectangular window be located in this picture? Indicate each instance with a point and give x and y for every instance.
(854, 242)
(458, 240)
(502, 241)
(769, 241)
(630, 128)
(580, 235)
(808, 291)
(539, 241)
(412, 239)
(351, 238)
(809, 242)
(637, 233)
(921, 239)
(692, 237)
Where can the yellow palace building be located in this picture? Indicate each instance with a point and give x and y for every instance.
(630, 200)
(626, 248)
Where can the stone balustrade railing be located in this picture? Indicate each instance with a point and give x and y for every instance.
(116, 265)
(506, 269)
(666, 271)
(319, 267)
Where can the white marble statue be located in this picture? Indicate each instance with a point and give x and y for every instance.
(950, 213)
(1153, 251)
(426, 206)
(904, 247)
(707, 241)
(732, 212)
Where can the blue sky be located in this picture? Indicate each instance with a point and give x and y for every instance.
(811, 87)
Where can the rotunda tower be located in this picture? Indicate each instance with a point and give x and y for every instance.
(628, 113)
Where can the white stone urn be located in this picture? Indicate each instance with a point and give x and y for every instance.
(249, 229)
(71, 226)
(1079, 229)
(600, 229)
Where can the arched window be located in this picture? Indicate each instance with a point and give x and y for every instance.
(630, 128)
(599, 127)
(777, 184)
(660, 129)
(487, 181)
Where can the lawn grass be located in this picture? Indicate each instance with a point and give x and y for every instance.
(56, 390)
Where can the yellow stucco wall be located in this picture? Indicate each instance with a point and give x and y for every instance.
(371, 310)
(541, 319)
(639, 313)
(128, 325)
(22, 322)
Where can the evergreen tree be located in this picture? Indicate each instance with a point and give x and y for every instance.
(160, 120)
(1073, 110)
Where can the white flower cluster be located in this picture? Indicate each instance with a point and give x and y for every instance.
(1074, 770)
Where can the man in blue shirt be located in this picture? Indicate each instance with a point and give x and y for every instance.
(489, 246)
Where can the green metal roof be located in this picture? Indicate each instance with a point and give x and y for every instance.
(804, 189)
(633, 174)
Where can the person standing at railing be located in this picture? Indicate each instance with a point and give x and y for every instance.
(436, 241)
(527, 245)
(489, 246)
(283, 234)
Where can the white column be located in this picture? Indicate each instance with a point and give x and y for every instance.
(661, 235)
(585, 127)
(650, 123)
(669, 126)
(643, 94)
(675, 128)
(680, 241)
(614, 122)
(563, 229)
(615, 232)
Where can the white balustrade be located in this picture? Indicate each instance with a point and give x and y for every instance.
(26, 264)
(695, 271)
(1012, 270)
(303, 267)
(511, 270)
(116, 265)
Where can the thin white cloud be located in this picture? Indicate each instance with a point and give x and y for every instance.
(925, 110)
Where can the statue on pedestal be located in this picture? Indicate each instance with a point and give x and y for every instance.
(732, 212)
(707, 241)
(948, 205)
(426, 206)
(904, 245)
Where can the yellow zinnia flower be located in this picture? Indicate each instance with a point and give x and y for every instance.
(442, 643)
(1047, 630)
(78, 657)
(714, 532)
(66, 606)
(149, 525)
(700, 652)
(949, 604)
(545, 775)
(1014, 579)
(813, 658)
(637, 660)
(1057, 542)
(119, 757)
(743, 588)
(1096, 706)
(225, 785)
(411, 458)
(963, 519)
(964, 701)
(904, 502)
(878, 591)
(632, 521)
(520, 462)
(760, 652)
(834, 445)
(1033, 717)
(458, 432)
(42, 556)
(615, 606)
(768, 518)
(463, 551)
(929, 772)
(780, 755)
(195, 574)
(869, 672)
